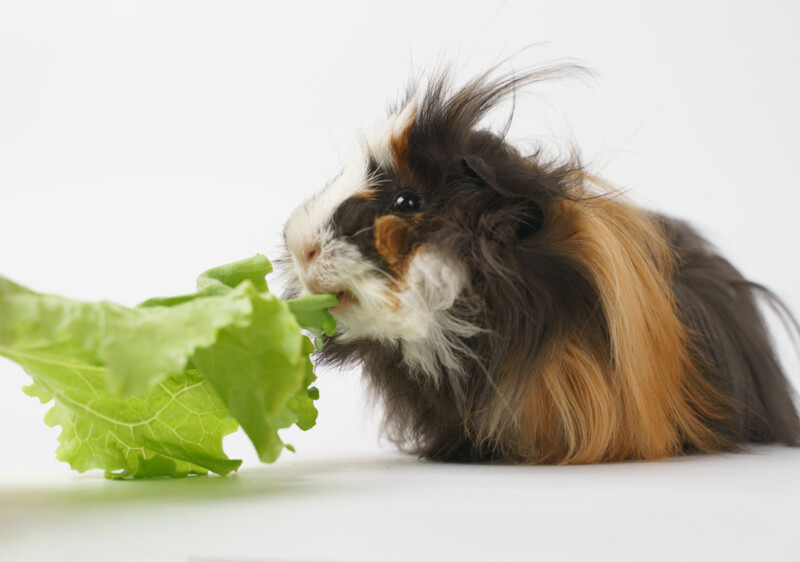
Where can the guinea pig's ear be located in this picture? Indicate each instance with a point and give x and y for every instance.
(475, 169)
(530, 216)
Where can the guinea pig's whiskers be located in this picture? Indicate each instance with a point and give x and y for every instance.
(362, 231)
(376, 179)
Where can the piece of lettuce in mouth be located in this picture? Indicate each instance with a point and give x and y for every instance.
(151, 391)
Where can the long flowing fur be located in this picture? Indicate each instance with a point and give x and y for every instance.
(623, 383)
(597, 331)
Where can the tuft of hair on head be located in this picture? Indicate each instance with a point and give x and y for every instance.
(453, 111)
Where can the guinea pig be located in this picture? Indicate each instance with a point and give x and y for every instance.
(506, 307)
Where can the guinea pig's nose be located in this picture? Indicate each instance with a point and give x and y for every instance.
(309, 252)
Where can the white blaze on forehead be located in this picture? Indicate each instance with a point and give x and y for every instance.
(310, 223)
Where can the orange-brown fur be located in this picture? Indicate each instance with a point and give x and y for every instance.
(638, 396)
(399, 145)
(392, 241)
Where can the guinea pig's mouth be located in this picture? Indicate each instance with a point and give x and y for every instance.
(345, 297)
(346, 300)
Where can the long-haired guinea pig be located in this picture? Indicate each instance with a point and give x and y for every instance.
(508, 308)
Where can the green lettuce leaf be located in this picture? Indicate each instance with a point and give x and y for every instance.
(152, 390)
(262, 373)
(138, 346)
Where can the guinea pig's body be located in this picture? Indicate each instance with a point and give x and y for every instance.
(506, 308)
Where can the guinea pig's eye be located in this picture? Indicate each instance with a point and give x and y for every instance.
(406, 202)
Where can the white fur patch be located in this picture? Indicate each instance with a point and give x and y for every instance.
(433, 335)
(417, 316)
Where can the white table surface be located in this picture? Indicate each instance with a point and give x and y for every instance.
(387, 506)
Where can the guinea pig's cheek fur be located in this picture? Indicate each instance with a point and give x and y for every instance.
(409, 308)
(434, 282)
(427, 322)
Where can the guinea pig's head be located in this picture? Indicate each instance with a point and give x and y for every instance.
(423, 228)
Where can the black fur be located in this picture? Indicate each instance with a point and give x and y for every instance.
(719, 306)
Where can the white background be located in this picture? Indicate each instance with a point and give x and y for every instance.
(143, 142)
